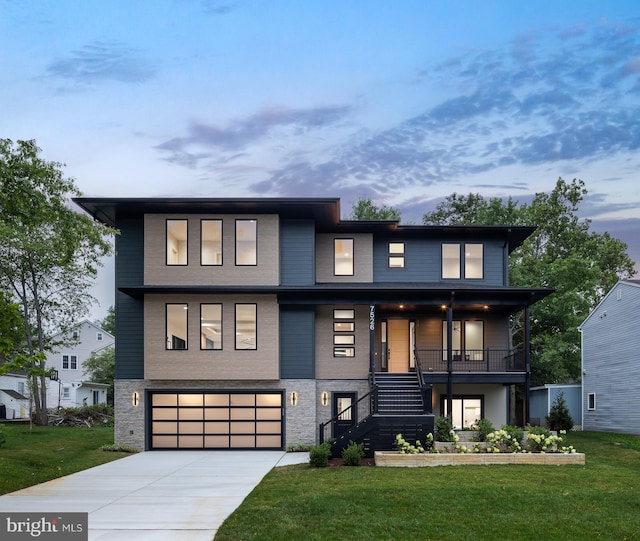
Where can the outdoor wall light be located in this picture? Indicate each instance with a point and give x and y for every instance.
(324, 398)
(135, 399)
(294, 398)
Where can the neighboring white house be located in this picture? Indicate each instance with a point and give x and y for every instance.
(14, 396)
(611, 362)
(73, 389)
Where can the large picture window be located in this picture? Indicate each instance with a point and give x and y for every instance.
(466, 410)
(246, 326)
(211, 242)
(451, 261)
(246, 242)
(210, 326)
(462, 258)
(473, 256)
(176, 322)
(343, 257)
(467, 345)
(177, 242)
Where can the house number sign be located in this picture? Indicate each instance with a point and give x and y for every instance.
(372, 318)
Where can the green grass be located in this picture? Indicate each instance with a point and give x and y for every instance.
(597, 501)
(49, 452)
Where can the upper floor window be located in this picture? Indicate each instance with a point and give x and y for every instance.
(396, 255)
(246, 242)
(211, 242)
(99, 337)
(343, 257)
(453, 263)
(176, 324)
(210, 326)
(177, 242)
(69, 362)
(246, 326)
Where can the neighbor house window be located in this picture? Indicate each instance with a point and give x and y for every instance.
(344, 323)
(177, 242)
(210, 326)
(66, 392)
(99, 337)
(21, 388)
(591, 405)
(396, 255)
(211, 242)
(176, 321)
(473, 256)
(69, 362)
(343, 257)
(246, 242)
(246, 326)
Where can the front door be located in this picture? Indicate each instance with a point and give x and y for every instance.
(398, 344)
(344, 416)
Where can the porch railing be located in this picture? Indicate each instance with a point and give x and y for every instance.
(471, 360)
(425, 391)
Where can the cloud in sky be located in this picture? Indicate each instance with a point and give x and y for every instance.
(101, 61)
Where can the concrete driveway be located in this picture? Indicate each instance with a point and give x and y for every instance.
(155, 496)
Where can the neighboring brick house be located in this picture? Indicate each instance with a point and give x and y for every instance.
(73, 388)
(249, 323)
(611, 362)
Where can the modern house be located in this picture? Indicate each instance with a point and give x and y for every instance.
(268, 323)
(542, 398)
(610, 362)
(73, 388)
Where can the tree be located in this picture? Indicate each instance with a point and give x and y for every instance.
(49, 255)
(562, 254)
(366, 209)
(109, 322)
(11, 328)
(101, 368)
(559, 417)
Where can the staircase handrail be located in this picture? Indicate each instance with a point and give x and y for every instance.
(337, 415)
(423, 393)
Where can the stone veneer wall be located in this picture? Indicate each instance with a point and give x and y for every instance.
(301, 421)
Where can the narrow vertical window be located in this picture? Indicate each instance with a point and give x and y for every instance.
(246, 326)
(246, 242)
(473, 261)
(65, 362)
(456, 340)
(211, 242)
(343, 257)
(474, 340)
(74, 362)
(210, 326)
(177, 242)
(591, 401)
(451, 261)
(176, 321)
(396, 255)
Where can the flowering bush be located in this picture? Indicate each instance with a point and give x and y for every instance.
(405, 448)
(444, 429)
(501, 441)
(541, 443)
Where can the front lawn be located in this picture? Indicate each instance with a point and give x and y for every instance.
(597, 501)
(50, 451)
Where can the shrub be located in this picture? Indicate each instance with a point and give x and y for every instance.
(353, 454)
(516, 432)
(485, 426)
(119, 448)
(319, 455)
(559, 417)
(444, 429)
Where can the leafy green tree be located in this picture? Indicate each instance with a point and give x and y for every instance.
(101, 368)
(11, 328)
(366, 209)
(109, 322)
(562, 254)
(49, 254)
(559, 417)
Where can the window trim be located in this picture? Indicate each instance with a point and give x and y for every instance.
(221, 326)
(591, 397)
(166, 327)
(202, 220)
(254, 220)
(400, 256)
(463, 340)
(235, 326)
(166, 243)
(346, 349)
(353, 256)
(71, 361)
(99, 336)
(462, 260)
(442, 259)
(348, 339)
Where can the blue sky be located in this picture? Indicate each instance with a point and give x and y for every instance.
(404, 102)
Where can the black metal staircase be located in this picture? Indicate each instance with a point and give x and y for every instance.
(399, 394)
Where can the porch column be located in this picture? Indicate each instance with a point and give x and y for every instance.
(450, 359)
(372, 339)
(527, 364)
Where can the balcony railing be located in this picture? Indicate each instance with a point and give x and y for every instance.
(471, 360)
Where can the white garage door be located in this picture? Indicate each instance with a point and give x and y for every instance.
(216, 420)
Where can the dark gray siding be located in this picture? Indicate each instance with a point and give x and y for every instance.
(610, 362)
(297, 346)
(129, 311)
(297, 252)
(423, 261)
